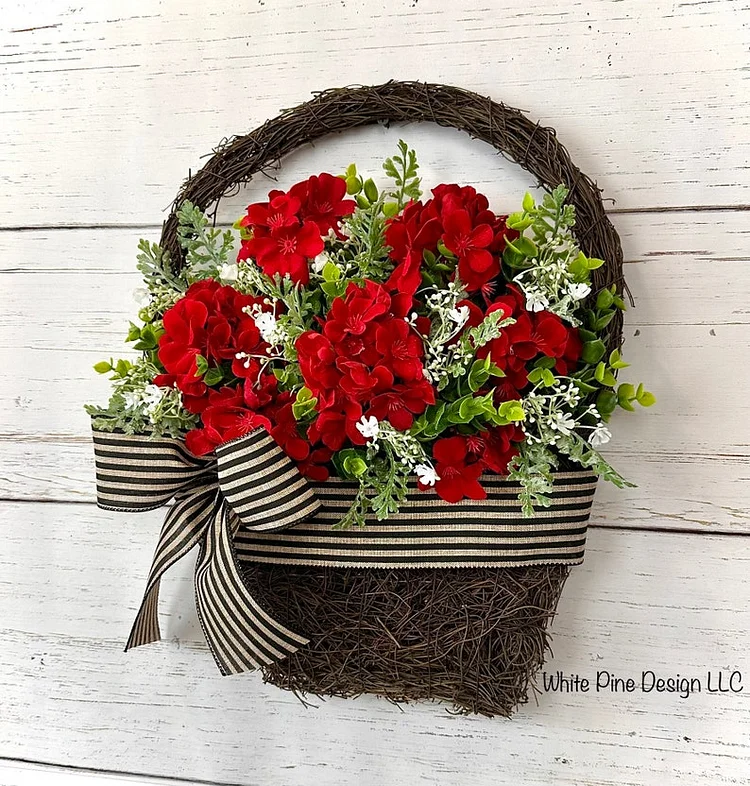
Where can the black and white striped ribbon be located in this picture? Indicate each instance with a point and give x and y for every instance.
(250, 503)
(428, 532)
(248, 485)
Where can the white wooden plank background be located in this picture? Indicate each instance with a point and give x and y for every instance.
(104, 109)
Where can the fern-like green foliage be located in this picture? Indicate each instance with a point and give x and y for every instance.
(532, 468)
(367, 242)
(156, 267)
(402, 169)
(207, 248)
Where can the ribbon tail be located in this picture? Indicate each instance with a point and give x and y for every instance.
(241, 635)
(183, 528)
(146, 626)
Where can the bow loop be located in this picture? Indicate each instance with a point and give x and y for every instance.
(261, 484)
(135, 473)
(251, 483)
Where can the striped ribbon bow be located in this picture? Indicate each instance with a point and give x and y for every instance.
(250, 482)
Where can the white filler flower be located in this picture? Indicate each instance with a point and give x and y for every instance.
(579, 291)
(459, 315)
(132, 399)
(563, 423)
(600, 435)
(152, 396)
(229, 271)
(426, 474)
(320, 262)
(536, 300)
(142, 296)
(369, 428)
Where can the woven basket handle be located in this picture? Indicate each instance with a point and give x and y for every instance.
(533, 147)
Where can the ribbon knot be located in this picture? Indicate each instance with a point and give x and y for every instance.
(250, 483)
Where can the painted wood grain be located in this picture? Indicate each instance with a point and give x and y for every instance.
(670, 603)
(19, 773)
(105, 108)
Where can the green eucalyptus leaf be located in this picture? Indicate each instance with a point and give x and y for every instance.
(134, 333)
(519, 221)
(355, 466)
(353, 185)
(512, 411)
(331, 272)
(593, 351)
(603, 320)
(371, 190)
(606, 402)
(584, 387)
(604, 299)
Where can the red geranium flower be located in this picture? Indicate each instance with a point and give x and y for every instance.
(315, 465)
(286, 433)
(337, 423)
(351, 314)
(417, 228)
(321, 199)
(495, 447)
(470, 243)
(458, 479)
(401, 348)
(208, 321)
(317, 359)
(225, 418)
(399, 405)
(367, 361)
(572, 354)
(285, 251)
(360, 382)
(282, 210)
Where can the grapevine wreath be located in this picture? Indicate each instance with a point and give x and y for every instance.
(376, 410)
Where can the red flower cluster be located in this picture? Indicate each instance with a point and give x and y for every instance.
(287, 230)
(460, 460)
(462, 220)
(367, 361)
(208, 321)
(533, 334)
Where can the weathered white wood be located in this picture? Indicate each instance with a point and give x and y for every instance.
(672, 603)
(19, 773)
(105, 107)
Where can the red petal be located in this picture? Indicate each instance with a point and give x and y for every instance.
(309, 241)
(450, 450)
(482, 236)
(478, 259)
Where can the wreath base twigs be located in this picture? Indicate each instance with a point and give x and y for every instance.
(532, 146)
(474, 638)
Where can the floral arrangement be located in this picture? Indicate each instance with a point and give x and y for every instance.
(381, 337)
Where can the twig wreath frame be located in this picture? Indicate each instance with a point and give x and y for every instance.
(471, 636)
